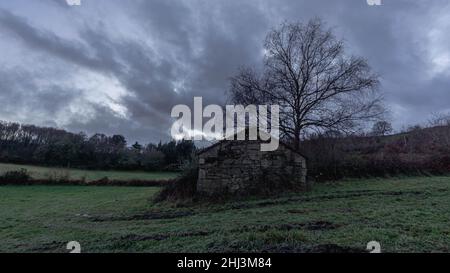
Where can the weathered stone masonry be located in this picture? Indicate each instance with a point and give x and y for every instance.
(235, 167)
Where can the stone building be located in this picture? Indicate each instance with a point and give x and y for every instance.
(240, 168)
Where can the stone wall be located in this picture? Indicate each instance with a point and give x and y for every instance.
(239, 167)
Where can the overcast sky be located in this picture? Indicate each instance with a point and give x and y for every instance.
(119, 66)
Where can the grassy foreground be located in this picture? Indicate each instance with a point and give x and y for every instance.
(403, 214)
(75, 174)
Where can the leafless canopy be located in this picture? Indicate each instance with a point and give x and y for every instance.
(317, 86)
(382, 128)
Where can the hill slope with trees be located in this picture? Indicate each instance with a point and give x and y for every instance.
(29, 144)
(417, 151)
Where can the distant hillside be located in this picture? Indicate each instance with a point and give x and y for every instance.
(421, 151)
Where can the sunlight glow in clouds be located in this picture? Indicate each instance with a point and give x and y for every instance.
(106, 91)
(439, 40)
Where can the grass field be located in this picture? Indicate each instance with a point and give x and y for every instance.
(403, 214)
(75, 174)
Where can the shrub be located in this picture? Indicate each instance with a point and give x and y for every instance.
(182, 189)
(15, 177)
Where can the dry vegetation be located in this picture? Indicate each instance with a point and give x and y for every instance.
(417, 152)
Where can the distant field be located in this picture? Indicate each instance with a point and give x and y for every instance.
(403, 214)
(75, 174)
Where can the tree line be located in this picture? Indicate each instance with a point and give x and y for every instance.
(29, 144)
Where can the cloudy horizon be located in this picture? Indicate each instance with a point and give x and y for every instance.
(118, 67)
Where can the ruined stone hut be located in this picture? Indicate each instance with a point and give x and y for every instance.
(240, 167)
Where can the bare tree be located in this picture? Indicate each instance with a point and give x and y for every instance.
(317, 86)
(382, 128)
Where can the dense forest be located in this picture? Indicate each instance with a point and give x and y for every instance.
(29, 144)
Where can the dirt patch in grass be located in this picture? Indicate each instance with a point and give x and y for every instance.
(140, 238)
(298, 211)
(264, 228)
(321, 225)
(50, 247)
(317, 225)
(332, 248)
(158, 215)
(328, 248)
(328, 197)
(246, 247)
(161, 237)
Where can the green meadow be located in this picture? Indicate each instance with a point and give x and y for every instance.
(402, 214)
(88, 175)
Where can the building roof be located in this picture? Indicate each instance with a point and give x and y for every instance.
(204, 150)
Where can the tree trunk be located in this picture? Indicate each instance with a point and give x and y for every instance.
(297, 140)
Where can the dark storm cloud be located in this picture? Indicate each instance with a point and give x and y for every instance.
(42, 40)
(165, 52)
(130, 62)
(19, 105)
